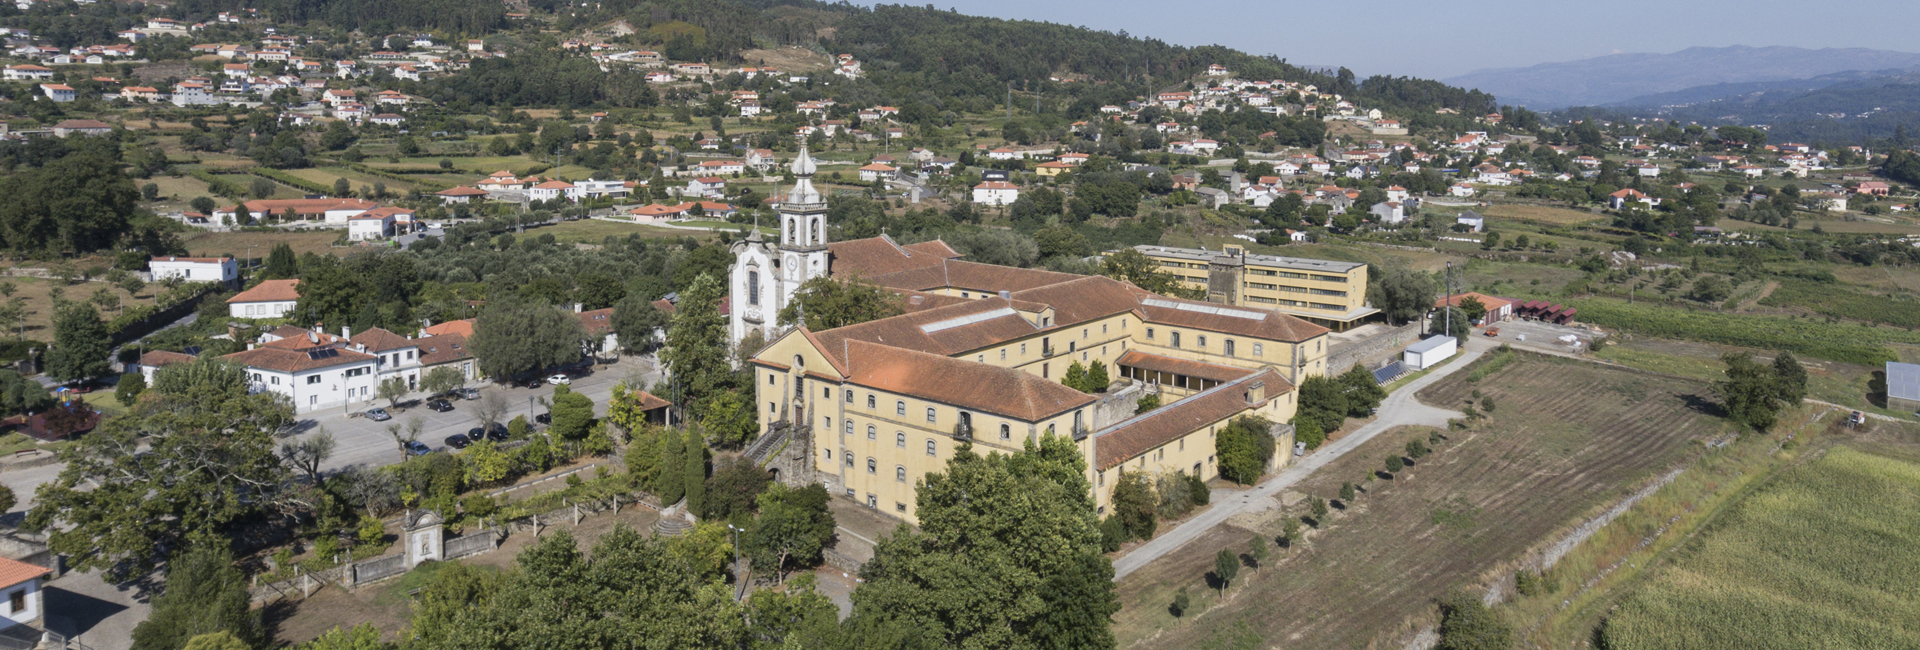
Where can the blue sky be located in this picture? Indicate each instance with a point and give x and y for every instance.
(1442, 39)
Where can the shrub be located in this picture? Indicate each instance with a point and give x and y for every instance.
(1245, 447)
(1133, 503)
(1197, 490)
(1181, 602)
(1346, 493)
(1466, 624)
(1112, 534)
(1395, 463)
(479, 505)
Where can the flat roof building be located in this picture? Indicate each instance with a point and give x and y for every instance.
(1326, 292)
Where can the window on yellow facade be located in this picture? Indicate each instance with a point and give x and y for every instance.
(930, 414)
(849, 396)
(872, 466)
(872, 433)
(900, 439)
(931, 449)
(1174, 337)
(1203, 342)
(870, 400)
(849, 456)
(1006, 432)
(849, 427)
(900, 473)
(1229, 347)
(1258, 350)
(899, 407)
(1003, 354)
(1149, 333)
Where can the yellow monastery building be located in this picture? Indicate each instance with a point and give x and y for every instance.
(978, 355)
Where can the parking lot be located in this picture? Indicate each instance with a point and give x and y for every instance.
(362, 441)
(1542, 336)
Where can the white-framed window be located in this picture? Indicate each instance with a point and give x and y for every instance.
(899, 407)
(873, 467)
(1259, 350)
(900, 473)
(930, 414)
(870, 400)
(872, 433)
(900, 439)
(849, 427)
(931, 449)
(313, 379)
(1006, 432)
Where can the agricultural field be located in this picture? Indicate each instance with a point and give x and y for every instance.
(1816, 559)
(1848, 385)
(203, 244)
(594, 231)
(37, 296)
(178, 189)
(1541, 213)
(325, 176)
(1550, 453)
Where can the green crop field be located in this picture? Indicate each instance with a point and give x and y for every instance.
(1822, 558)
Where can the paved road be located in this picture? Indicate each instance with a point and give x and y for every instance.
(1398, 409)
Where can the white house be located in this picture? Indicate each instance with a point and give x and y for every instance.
(20, 595)
(602, 188)
(271, 299)
(708, 186)
(1472, 220)
(996, 193)
(57, 92)
(152, 361)
(1461, 190)
(28, 73)
(461, 194)
(316, 371)
(194, 269)
(551, 190)
(1389, 212)
(395, 356)
(877, 171)
(370, 225)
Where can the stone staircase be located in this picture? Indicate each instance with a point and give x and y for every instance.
(763, 449)
(672, 523)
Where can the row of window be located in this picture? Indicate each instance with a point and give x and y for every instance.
(1229, 348)
(1293, 289)
(1299, 276)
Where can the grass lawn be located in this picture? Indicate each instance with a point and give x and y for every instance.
(13, 441)
(236, 243)
(593, 231)
(178, 189)
(327, 175)
(37, 294)
(1808, 561)
(1540, 213)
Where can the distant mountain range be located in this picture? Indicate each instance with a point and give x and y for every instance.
(1690, 75)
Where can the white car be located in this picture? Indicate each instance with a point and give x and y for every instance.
(559, 380)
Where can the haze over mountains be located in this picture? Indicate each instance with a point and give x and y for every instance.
(1622, 79)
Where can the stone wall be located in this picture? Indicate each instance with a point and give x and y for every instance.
(1369, 350)
(471, 544)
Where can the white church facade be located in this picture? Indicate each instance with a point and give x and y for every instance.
(765, 275)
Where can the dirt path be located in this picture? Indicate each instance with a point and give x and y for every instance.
(1765, 290)
(1399, 409)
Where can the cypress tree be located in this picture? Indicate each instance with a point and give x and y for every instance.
(696, 472)
(668, 484)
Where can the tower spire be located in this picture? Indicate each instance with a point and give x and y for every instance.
(803, 169)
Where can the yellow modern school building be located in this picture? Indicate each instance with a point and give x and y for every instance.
(1327, 292)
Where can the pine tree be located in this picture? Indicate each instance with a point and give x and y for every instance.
(1097, 379)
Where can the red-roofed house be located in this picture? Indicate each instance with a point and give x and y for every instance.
(269, 299)
(20, 595)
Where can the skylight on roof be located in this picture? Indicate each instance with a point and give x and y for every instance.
(1205, 309)
(966, 320)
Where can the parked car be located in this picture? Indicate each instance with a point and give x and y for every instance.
(417, 448)
(560, 379)
(497, 432)
(466, 393)
(440, 405)
(459, 441)
(534, 382)
(379, 415)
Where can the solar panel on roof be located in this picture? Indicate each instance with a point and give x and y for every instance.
(322, 353)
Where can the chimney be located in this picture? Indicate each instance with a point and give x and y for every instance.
(916, 300)
(579, 307)
(346, 332)
(1006, 295)
(249, 346)
(1256, 392)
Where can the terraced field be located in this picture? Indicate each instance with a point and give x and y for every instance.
(1566, 438)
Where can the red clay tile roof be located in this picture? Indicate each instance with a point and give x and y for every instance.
(648, 402)
(598, 321)
(937, 247)
(665, 306)
(443, 348)
(269, 291)
(953, 329)
(380, 340)
(965, 384)
(1145, 432)
(1490, 302)
(13, 572)
(875, 256)
(463, 327)
(281, 359)
(1271, 325)
(1199, 369)
(300, 338)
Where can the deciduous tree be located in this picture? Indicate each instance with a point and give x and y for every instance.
(80, 344)
(514, 336)
(825, 303)
(204, 594)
